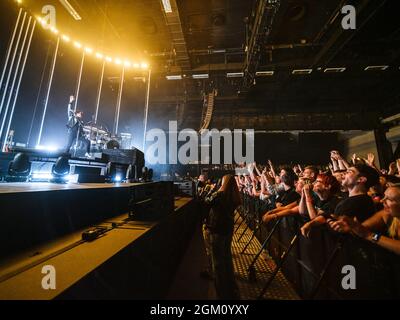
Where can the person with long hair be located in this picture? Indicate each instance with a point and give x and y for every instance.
(220, 223)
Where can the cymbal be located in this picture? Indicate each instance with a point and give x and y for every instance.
(89, 129)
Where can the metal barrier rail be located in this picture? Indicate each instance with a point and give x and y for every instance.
(327, 265)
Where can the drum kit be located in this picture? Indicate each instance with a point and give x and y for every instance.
(100, 138)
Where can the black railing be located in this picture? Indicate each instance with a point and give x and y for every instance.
(327, 265)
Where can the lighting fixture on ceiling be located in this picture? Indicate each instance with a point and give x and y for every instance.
(264, 73)
(235, 75)
(88, 50)
(70, 9)
(218, 51)
(175, 77)
(200, 76)
(376, 68)
(302, 71)
(333, 70)
(167, 6)
(66, 38)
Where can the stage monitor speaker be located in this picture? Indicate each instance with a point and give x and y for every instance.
(128, 157)
(185, 188)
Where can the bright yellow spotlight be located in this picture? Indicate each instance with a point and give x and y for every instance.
(136, 65)
(109, 59)
(89, 50)
(66, 38)
(118, 61)
(39, 19)
(99, 55)
(54, 30)
(127, 64)
(144, 65)
(77, 45)
(19, 1)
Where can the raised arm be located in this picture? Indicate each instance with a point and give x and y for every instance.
(371, 161)
(70, 109)
(302, 204)
(272, 168)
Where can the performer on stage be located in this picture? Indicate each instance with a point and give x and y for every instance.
(75, 128)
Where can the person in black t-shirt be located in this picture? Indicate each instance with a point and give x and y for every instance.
(289, 194)
(360, 206)
(220, 223)
(358, 180)
(286, 202)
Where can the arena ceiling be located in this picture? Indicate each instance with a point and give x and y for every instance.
(246, 37)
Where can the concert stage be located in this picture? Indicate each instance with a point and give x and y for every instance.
(98, 169)
(143, 232)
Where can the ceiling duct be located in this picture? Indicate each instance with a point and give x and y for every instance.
(259, 29)
(174, 24)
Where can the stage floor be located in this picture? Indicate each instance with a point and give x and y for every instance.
(21, 275)
(21, 187)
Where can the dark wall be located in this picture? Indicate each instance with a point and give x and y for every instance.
(288, 148)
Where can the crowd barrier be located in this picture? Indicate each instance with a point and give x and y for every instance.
(327, 265)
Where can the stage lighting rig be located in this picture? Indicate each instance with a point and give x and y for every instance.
(115, 173)
(19, 169)
(60, 170)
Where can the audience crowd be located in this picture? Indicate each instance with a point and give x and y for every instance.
(354, 197)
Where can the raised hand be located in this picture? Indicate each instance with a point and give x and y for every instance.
(371, 159)
(71, 99)
(392, 168)
(307, 188)
(353, 158)
(335, 155)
